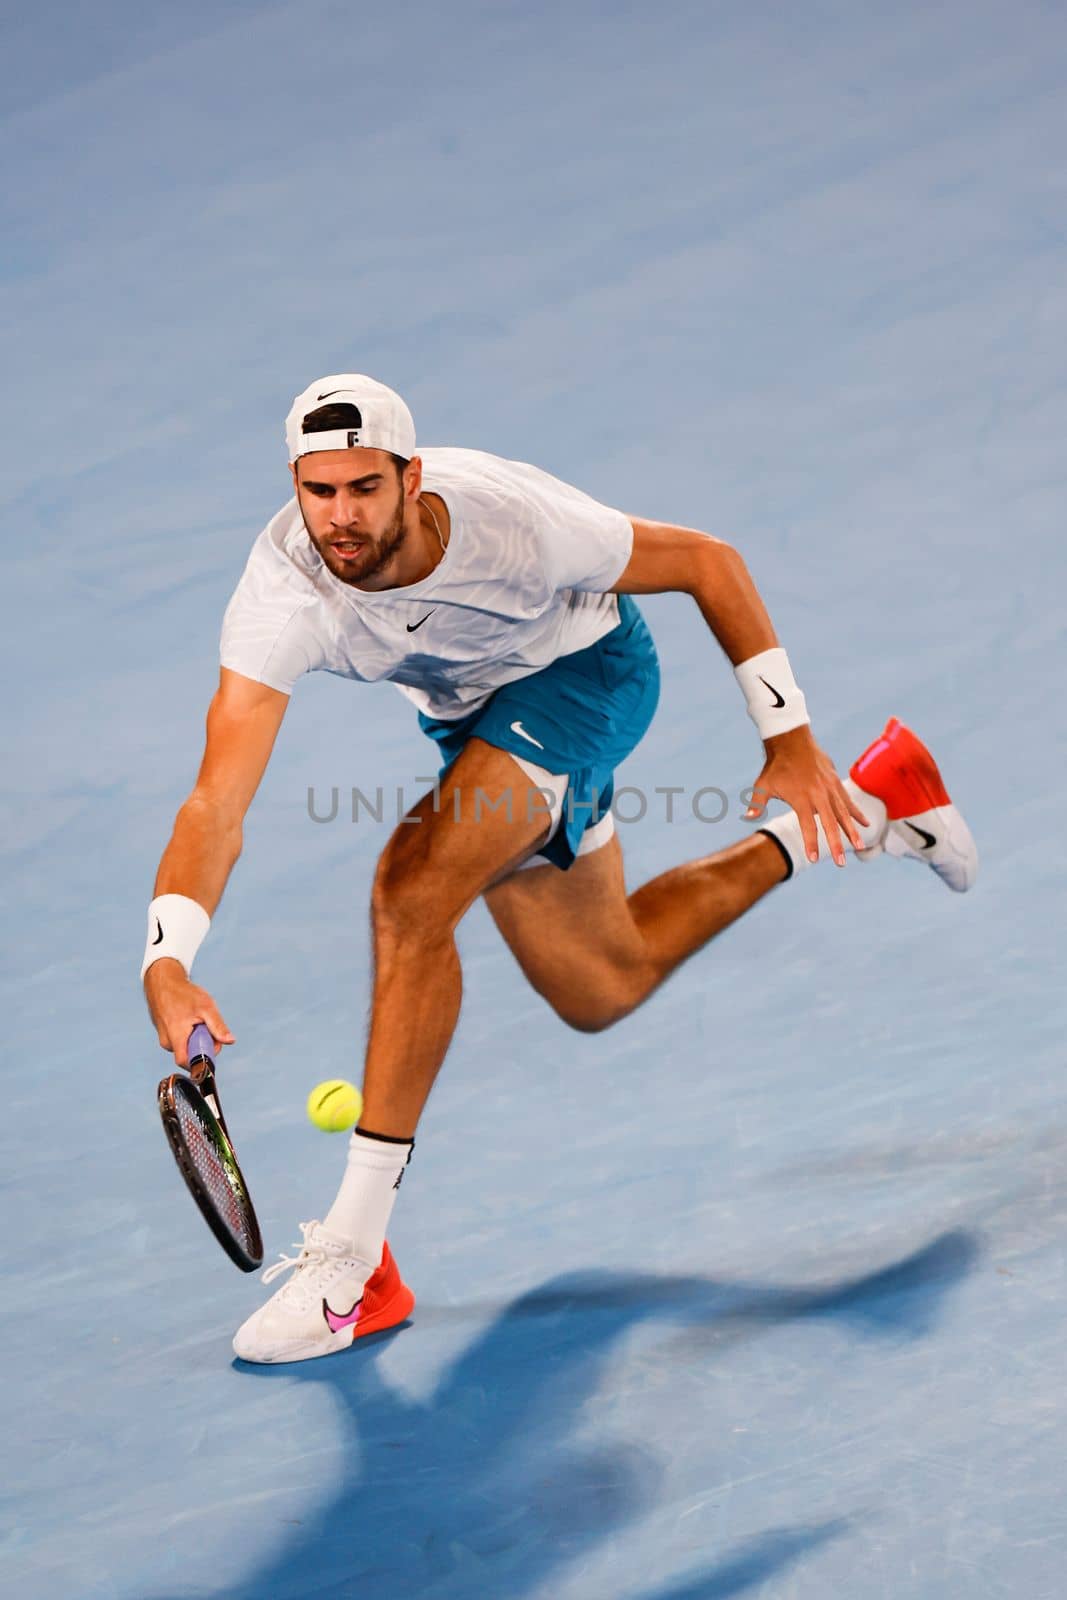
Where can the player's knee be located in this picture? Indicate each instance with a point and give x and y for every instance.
(406, 897)
(394, 891)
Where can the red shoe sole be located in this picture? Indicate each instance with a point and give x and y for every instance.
(900, 770)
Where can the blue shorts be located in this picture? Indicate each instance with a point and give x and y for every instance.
(583, 714)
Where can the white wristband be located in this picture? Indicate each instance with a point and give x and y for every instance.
(176, 928)
(775, 704)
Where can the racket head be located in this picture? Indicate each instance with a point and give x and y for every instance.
(207, 1162)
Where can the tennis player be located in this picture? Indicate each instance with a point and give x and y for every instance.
(500, 602)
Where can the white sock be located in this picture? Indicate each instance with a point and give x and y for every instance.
(785, 830)
(365, 1199)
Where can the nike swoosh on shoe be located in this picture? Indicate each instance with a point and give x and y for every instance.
(335, 1323)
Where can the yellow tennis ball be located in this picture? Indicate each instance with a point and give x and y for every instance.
(335, 1105)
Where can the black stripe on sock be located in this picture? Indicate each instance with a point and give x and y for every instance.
(786, 857)
(383, 1138)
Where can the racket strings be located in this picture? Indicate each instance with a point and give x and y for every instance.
(215, 1171)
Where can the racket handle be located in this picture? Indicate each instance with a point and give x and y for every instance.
(201, 1045)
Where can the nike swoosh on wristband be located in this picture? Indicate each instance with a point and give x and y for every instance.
(411, 626)
(159, 936)
(335, 1323)
(517, 727)
(927, 838)
(779, 700)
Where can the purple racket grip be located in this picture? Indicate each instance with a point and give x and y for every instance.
(201, 1044)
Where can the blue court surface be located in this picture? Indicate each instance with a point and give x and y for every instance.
(761, 1292)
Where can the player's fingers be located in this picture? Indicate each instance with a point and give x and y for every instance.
(844, 805)
(845, 814)
(852, 806)
(854, 810)
(808, 832)
(219, 1031)
(839, 810)
(828, 818)
(756, 798)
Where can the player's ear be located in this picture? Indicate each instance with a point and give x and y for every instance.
(413, 478)
(292, 470)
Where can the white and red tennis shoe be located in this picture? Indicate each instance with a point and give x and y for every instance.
(898, 788)
(921, 823)
(332, 1299)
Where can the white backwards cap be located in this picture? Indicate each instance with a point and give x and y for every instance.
(385, 423)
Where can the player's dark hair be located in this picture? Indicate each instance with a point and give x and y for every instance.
(328, 418)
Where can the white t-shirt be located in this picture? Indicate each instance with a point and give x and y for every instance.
(522, 582)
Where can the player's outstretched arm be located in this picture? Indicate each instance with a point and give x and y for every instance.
(242, 725)
(669, 558)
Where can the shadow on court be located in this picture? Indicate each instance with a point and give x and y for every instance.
(489, 1489)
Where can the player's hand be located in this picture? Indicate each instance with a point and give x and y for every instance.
(176, 1005)
(802, 775)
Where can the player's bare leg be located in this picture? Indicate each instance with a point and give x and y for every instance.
(430, 873)
(345, 1283)
(596, 952)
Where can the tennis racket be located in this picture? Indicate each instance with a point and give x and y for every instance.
(199, 1141)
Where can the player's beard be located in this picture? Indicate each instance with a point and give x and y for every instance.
(377, 551)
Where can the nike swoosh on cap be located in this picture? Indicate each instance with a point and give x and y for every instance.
(329, 392)
(779, 700)
(335, 1323)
